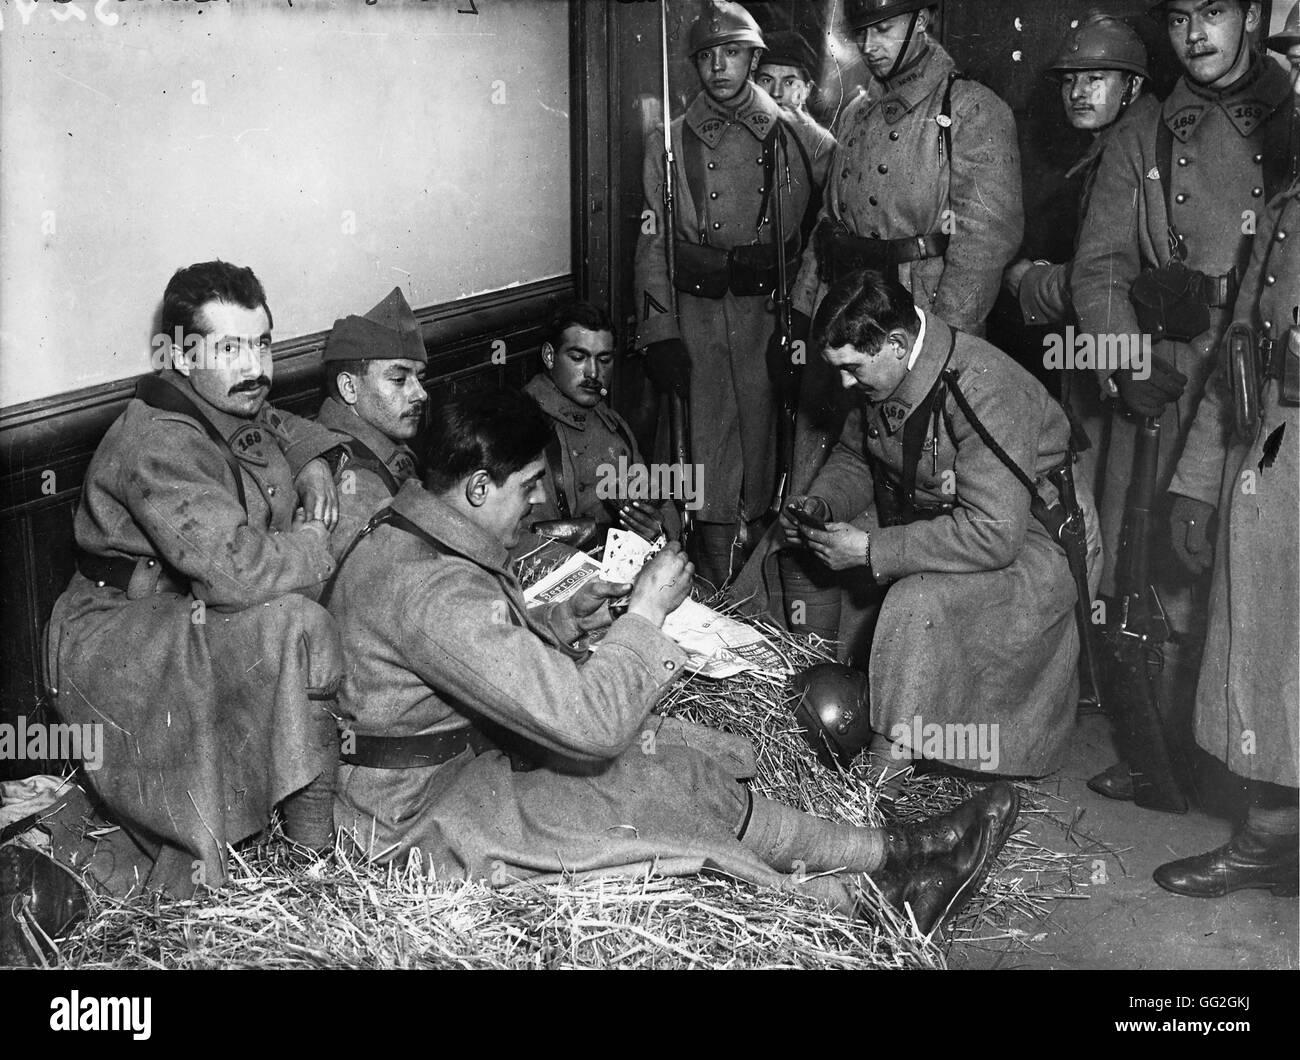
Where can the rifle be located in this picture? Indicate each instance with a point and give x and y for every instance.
(1133, 640)
(789, 383)
(679, 425)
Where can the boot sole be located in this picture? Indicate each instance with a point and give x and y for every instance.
(1279, 890)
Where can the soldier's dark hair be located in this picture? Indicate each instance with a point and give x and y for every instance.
(332, 370)
(861, 309)
(498, 431)
(192, 287)
(578, 313)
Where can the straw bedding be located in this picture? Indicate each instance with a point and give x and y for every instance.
(286, 909)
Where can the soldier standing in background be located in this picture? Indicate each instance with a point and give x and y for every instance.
(1175, 204)
(1101, 68)
(1242, 459)
(735, 151)
(376, 401)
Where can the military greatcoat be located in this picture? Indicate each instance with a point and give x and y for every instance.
(206, 673)
(722, 201)
(977, 624)
(893, 177)
(438, 638)
(1248, 699)
(363, 489)
(1227, 151)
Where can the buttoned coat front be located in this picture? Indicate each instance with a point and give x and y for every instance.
(201, 674)
(1227, 152)
(722, 202)
(892, 177)
(1248, 694)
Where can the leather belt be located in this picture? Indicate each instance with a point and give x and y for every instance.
(412, 752)
(117, 571)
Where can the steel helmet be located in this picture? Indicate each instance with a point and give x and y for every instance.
(1101, 42)
(723, 22)
(863, 13)
(834, 711)
(1290, 35)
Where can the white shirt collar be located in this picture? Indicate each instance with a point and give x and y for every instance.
(920, 339)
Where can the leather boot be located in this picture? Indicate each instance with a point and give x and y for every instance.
(1247, 860)
(1115, 782)
(912, 845)
(936, 866)
(34, 887)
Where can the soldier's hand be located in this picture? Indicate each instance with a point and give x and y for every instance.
(1189, 522)
(664, 582)
(317, 493)
(1015, 275)
(668, 366)
(303, 521)
(638, 517)
(589, 606)
(841, 546)
(790, 527)
(1149, 396)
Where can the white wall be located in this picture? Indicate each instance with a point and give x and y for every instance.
(336, 148)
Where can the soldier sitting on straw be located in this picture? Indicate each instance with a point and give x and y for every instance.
(483, 737)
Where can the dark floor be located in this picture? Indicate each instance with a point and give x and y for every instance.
(1127, 921)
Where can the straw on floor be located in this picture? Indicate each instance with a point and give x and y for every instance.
(286, 909)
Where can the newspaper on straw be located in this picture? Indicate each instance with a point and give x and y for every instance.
(716, 646)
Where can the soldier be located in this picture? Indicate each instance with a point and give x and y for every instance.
(931, 492)
(787, 71)
(376, 403)
(1167, 234)
(189, 631)
(480, 737)
(924, 184)
(594, 469)
(1101, 68)
(736, 152)
(1242, 458)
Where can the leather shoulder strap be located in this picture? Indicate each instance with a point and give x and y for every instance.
(1165, 164)
(555, 468)
(384, 517)
(362, 456)
(158, 394)
(915, 427)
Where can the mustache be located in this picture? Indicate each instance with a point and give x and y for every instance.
(251, 384)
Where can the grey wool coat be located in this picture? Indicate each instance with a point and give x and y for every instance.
(208, 692)
(719, 190)
(977, 622)
(1248, 695)
(437, 639)
(891, 178)
(1226, 152)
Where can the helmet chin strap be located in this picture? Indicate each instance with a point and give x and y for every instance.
(907, 42)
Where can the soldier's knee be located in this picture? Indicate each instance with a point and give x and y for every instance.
(314, 631)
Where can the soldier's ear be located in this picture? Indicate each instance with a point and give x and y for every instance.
(179, 361)
(898, 337)
(754, 55)
(476, 488)
(925, 19)
(347, 387)
(1253, 13)
(548, 355)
